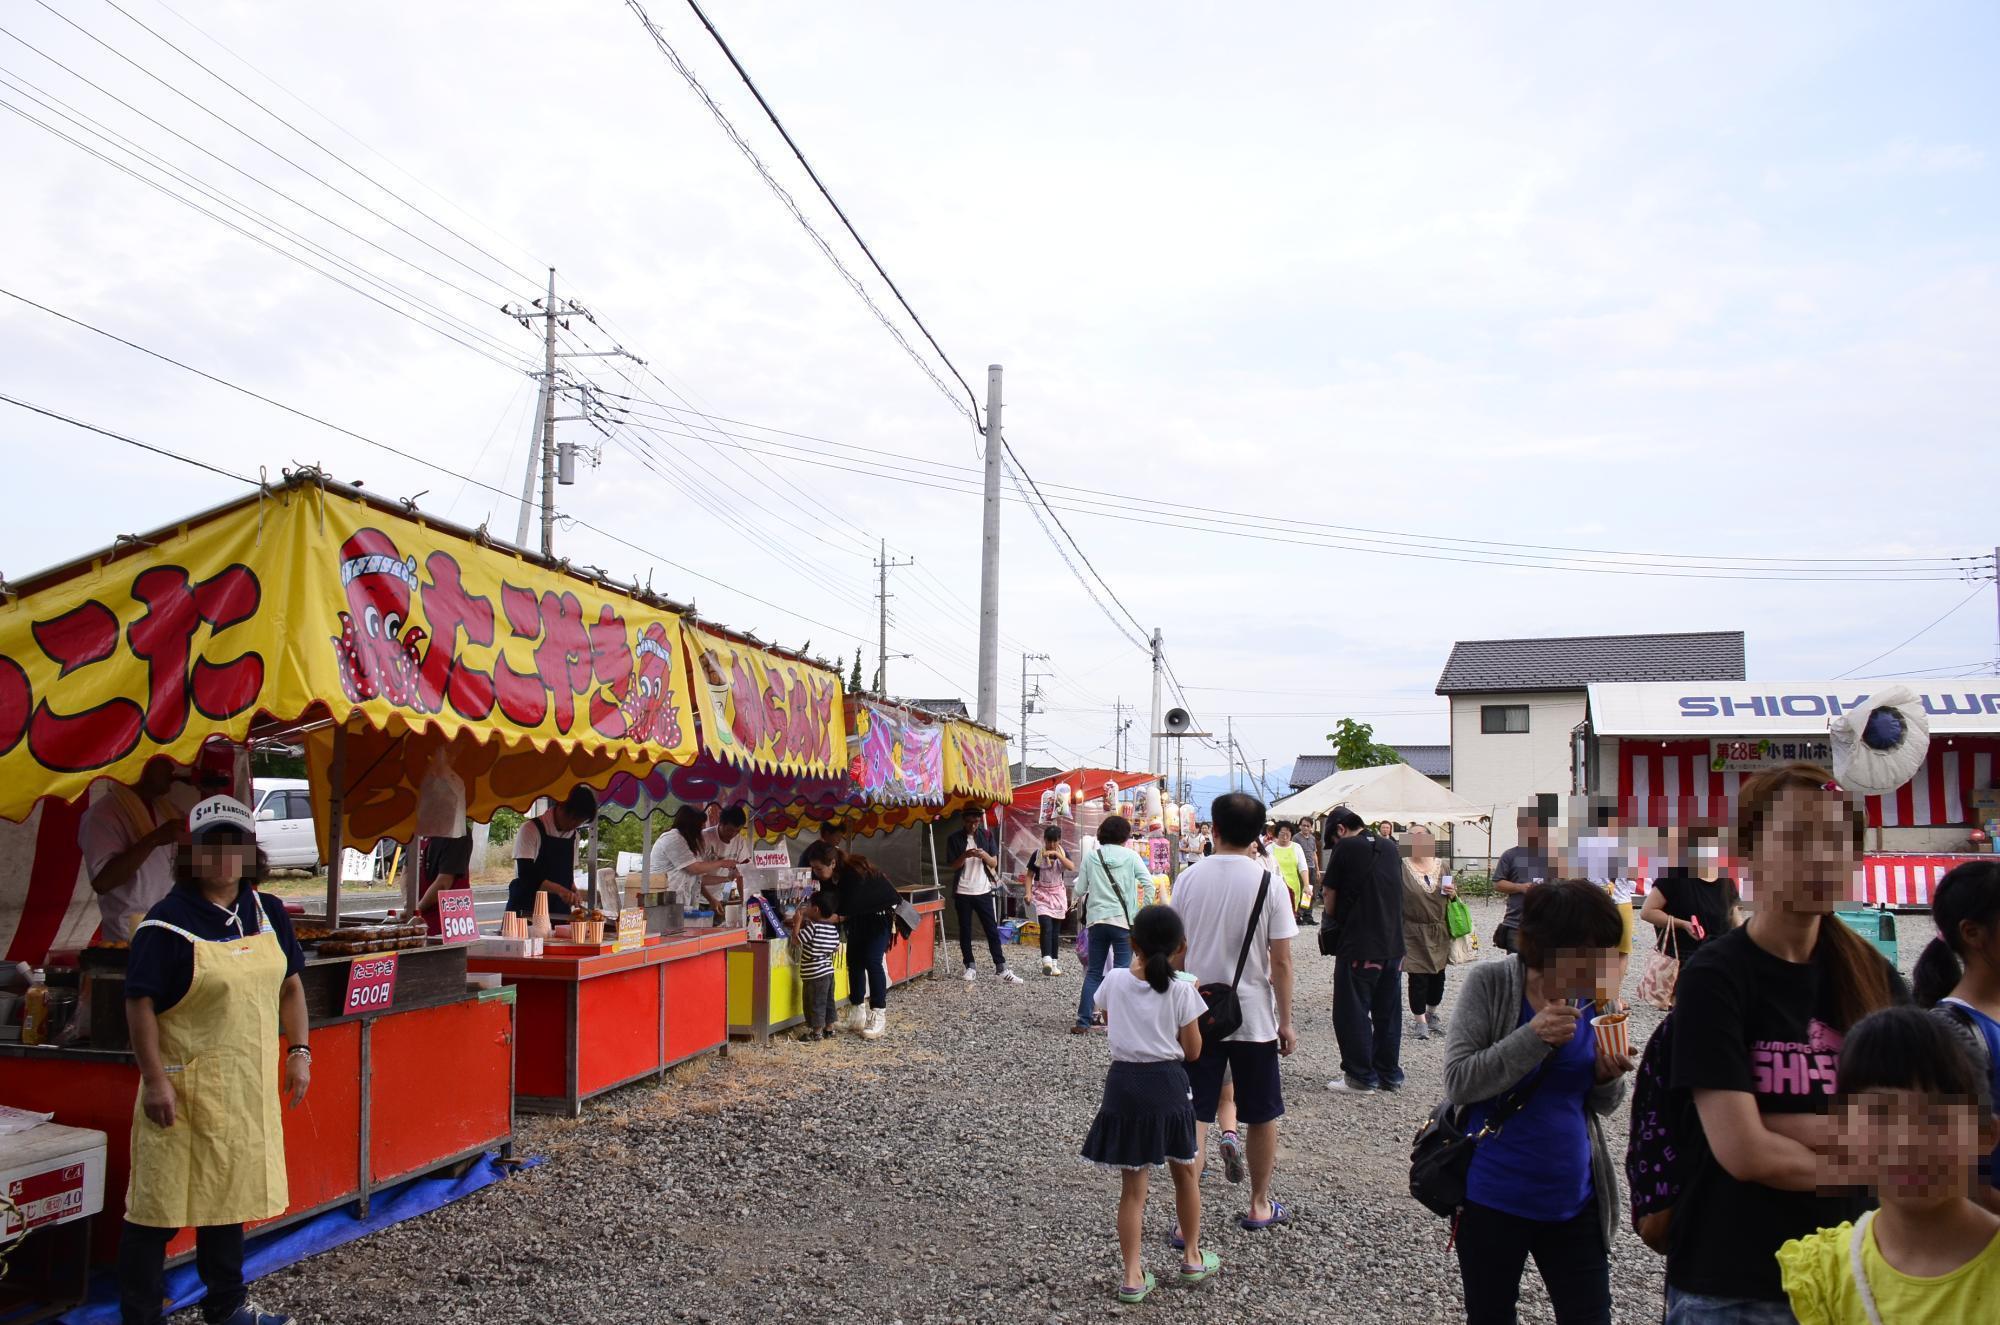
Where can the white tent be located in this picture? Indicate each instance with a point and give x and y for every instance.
(1395, 792)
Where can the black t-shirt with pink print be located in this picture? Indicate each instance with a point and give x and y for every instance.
(1746, 1020)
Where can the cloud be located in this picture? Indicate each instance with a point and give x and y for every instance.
(1905, 157)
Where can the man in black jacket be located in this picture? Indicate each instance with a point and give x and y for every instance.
(1364, 909)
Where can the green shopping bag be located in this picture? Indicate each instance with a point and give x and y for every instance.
(1457, 918)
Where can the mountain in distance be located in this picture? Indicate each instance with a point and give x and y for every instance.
(1203, 791)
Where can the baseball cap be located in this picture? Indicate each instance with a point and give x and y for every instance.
(218, 814)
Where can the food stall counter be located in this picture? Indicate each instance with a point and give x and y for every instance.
(593, 1023)
(414, 1084)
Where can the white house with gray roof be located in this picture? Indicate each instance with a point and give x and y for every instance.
(1517, 707)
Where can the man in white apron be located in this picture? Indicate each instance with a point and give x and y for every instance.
(213, 975)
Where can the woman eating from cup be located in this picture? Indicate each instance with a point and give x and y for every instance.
(1759, 1017)
(1527, 1037)
(212, 980)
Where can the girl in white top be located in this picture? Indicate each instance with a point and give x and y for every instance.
(1147, 1117)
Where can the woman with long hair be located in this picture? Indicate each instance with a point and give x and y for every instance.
(677, 861)
(867, 910)
(1427, 891)
(1958, 978)
(1759, 1017)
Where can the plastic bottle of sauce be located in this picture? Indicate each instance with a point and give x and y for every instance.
(35, 1009)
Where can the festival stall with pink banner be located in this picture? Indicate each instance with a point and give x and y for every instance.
(906, 768)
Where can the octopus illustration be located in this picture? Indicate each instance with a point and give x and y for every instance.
(649, 716)
(378, 655)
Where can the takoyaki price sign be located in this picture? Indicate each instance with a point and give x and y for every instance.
(313, 599)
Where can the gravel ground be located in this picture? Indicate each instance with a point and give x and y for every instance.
(929, 1177)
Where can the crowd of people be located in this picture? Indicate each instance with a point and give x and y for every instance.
(1811, 1138)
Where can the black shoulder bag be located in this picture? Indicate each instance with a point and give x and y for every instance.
(1225, 1011)
(1441, 1157)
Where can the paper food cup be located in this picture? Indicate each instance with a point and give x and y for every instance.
(1612, 1039)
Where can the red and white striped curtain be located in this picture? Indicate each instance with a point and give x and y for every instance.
(1662, 779)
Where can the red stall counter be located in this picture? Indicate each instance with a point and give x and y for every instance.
(589, 1024)
(395, 1094)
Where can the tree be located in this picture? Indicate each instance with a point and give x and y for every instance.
(854, 677)
(1354, 746)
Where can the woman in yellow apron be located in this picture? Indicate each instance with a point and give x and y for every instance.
(213, 974)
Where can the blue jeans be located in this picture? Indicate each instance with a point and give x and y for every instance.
(1699, 1309)
(1111, 943)
(867, 972)
(1368, 1021)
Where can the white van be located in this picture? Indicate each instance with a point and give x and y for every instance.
(285, 823)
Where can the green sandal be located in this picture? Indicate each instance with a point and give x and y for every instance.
(1132, 1297)
(1210, 1263)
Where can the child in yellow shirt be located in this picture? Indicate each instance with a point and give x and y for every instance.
(1914, 1118)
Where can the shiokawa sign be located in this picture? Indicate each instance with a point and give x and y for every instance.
(1745, 709)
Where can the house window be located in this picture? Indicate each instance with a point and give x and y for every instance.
(1503, 718)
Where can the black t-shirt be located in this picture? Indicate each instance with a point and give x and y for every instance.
(867, 898)
(1745, 1020)
(1366, 880)
(161, 964)
(1690, 898)
(445, 857)
(1519, 865)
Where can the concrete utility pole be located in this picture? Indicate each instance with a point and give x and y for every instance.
(1120, 727)
(545, 457)
(1996, 609)
(528, 475)
(989, 562)
(1229, 749)
(549, 420)
(883, 566)
(1156, 753)
(1028, 703)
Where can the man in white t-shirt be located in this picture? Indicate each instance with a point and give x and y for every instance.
(973, 854)
(127, 837)
(729, 841)
(1215, 897)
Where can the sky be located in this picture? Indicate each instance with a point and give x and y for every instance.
(1716, 282)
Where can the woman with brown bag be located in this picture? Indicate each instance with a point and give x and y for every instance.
(1426, 936)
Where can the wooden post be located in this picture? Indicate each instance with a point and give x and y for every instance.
(336, 845)
(645, 844)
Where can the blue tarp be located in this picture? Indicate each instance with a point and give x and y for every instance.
(271, 1252)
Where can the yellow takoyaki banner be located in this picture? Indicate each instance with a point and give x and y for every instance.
(304, 599)
(975, 763)
(765, 712)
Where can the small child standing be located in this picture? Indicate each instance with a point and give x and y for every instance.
(818, 939)
(1958, 977)
(1049, 890)
(1915, 1121)
(1147, 1117)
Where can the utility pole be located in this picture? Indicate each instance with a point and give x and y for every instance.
(989, 560)
(883, 566)
(1230, 750)
(528, 475)
(1264, 778)
(1996, 608)
(1028, 702)
(1156, 753)
(544, 457)
(1120, 727)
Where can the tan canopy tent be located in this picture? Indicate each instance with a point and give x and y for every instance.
(1395, 792)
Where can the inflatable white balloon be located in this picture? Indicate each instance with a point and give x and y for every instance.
(1880, 745)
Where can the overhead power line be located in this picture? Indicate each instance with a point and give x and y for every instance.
(791, 205)
(1914, 638)
(785, 133)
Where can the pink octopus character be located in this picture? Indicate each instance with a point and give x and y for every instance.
(378, 658)
(649, 717)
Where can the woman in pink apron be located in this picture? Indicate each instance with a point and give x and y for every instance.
(1048, 888)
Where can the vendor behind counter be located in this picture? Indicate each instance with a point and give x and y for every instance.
(545, 856)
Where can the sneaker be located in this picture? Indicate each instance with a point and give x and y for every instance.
(1007, 977)
(971, 974)
(249, 1315)
(1232, 1157)
(1436, 1019)
(1389, 1087)
(1048, 966)
(878, 1022)
(1349, 1086)
(1423, 1030)
(1055, 967)
(857, 1017)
